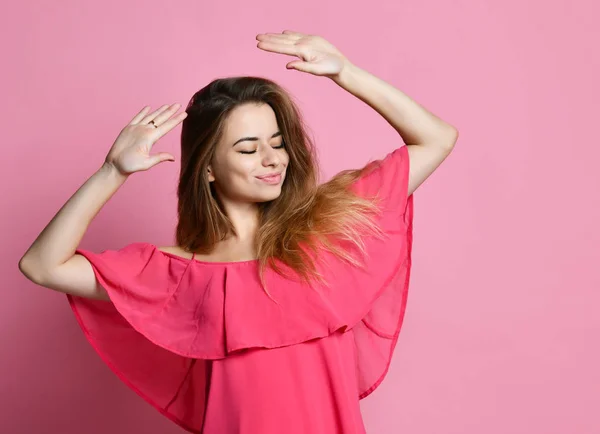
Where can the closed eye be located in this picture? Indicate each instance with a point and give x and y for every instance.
(252, 152)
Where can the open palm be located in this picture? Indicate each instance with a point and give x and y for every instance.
(131, 150)
(318, 56)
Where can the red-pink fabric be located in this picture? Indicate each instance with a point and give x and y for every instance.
(204, 344)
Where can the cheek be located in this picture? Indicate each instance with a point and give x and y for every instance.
(241, 173)
(235, 165)
(246, 164)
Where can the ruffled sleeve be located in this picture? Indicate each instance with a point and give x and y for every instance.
(376, 334)
(127, 332)
(389, 180)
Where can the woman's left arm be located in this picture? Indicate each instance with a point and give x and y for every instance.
(430, 140)
(415, 124)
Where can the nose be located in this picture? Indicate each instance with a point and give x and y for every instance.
(270, 156)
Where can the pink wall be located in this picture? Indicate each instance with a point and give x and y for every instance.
(501, 332)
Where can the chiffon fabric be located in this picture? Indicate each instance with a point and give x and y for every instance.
(205, 345)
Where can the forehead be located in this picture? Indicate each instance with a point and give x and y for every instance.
(254, 119)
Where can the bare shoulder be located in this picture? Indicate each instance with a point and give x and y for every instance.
(175, 250)
(170, 249)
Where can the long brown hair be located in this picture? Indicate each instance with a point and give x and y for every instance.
(305, 212)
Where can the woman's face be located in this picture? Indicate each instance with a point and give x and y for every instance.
(251, 147)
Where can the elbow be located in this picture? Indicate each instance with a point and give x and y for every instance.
(450, 138)
(25, 267)
(452, 132)
(30, 270)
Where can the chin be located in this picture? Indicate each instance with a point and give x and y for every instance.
(267, 197)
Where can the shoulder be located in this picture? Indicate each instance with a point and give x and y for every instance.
(175, 250)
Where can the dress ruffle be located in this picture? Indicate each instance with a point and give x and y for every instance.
(169, 316)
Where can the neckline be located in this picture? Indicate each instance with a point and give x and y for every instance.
(193, 258)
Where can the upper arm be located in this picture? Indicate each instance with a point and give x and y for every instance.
(424, 159)
(75, 277)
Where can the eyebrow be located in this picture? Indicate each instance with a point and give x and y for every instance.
(253, 139)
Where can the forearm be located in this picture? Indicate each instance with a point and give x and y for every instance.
(57, 243)
(413, 122)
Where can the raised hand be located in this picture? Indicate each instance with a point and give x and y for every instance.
(318, 57)
(131, 151)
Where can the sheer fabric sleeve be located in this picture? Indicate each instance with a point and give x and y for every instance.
(377, 332)
(127, 331)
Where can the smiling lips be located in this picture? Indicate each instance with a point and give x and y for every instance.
(271, 178)
(269, 175)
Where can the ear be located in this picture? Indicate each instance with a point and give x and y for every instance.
(211, 178)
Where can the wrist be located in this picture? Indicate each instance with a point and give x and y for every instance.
(343, 77)
(111, 172)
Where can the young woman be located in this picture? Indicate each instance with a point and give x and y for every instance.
(281, 303)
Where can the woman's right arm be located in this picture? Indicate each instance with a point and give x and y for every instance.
(51, 260)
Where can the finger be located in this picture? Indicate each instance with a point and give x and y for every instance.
(163, 116)
(302, 66)
(171, 123)
(291, 50)
(292, 33)
(155, 113)
(155, 159)
(273, 37)
(140, 115)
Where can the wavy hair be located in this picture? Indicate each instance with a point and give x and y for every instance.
(305, 213)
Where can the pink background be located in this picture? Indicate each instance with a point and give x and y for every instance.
(502, 327)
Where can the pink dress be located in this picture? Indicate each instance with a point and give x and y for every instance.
(203, 343)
